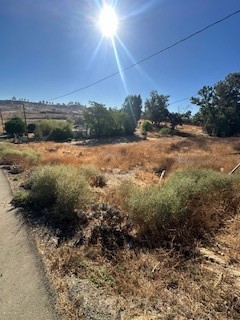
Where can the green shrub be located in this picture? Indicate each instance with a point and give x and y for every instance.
(190, 204)
(20, 199)
(60, 134)
(31, 127)
(72, 193)
(94, 178)
(147, 126)
(10, 154)
(44, 186)
(44, 128)
(53, 130)
(62, 188)
(165, 131)
(15, 126)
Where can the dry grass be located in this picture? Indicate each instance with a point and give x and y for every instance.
(229, 240)
(143, 161)
(145, 284)
(145, 158)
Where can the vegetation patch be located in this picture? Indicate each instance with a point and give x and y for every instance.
(219, 113)
(146, 126)
(56, 191)
(136, 253)
(93, 176)
(15, 126)
(10, 155)
(53, 130)
(165, 131)
(190, 205)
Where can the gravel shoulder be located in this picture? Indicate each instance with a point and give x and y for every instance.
(24, 293)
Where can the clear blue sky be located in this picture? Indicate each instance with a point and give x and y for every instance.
(47, 49)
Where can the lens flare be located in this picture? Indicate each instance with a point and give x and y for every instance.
(108, 22)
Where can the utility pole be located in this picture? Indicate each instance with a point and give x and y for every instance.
(2, 120)
(25, 119)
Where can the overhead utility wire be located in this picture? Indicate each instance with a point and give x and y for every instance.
(184, 99)
(149, 57)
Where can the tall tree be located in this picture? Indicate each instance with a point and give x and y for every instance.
(132, 106)
(207, 112)
(98, 120)
(156, 107)
(219, 105)
(120, 122)
(175, 119)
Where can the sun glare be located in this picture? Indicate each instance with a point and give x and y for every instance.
(108, 22)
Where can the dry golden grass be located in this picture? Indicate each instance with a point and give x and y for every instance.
(229, 240)
(143, 161)
(146, 157)
(157, 284)
(146, 285)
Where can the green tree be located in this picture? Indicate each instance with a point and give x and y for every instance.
(197, 119)
(175, 119)
(207, 112)
(15, 126)
(228, 99)
(156, 108)
(132, 106)
(219, 112)
(187, 117)
(98, 120)
(31, 127)
(120, 122)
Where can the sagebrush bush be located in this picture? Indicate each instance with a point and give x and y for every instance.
(10, 154)
(62, 188)
(60, 134)
(190, 204)
(93, 176)
(165, 131)
(20, 199)
(147, 126)
(43, 183)
(53, 130)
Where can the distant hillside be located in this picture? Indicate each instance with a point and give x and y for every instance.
(40, 110)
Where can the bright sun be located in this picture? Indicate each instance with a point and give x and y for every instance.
(108, 22)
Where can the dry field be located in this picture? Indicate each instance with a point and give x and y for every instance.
(143, 283)
(144, 160)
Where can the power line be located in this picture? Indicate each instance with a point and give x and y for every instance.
(149, 57)
(183, 99)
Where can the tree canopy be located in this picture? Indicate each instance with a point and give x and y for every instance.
(101, 122)
(219, 104)
(15, 126)
(98, 120)
(132, 106)
(156, 107)
(175, 119)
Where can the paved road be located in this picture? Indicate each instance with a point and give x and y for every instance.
(23, 294)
